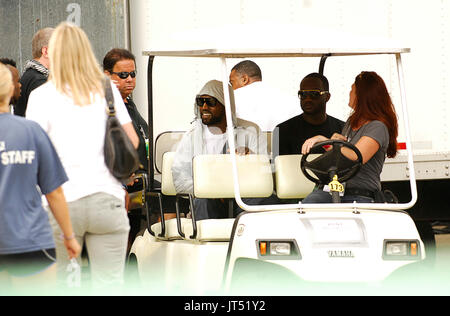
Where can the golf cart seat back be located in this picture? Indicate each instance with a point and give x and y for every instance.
(213, 176)
(210, 229)
(168, 142)
(168, 188)
(165, 142)
(291, 183)
(207, 230)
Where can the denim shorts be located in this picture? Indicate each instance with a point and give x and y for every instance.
(27, 263)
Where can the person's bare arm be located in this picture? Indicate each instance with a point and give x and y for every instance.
(366, 145)
(310, 142)
(58, 206)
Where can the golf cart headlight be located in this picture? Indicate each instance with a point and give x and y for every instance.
(401, 250)
(280, 248)
(396, 249)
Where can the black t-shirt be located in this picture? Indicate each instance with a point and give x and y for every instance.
(141, 128)
(290, 135)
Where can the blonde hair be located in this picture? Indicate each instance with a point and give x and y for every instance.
(74, 68)
(6, 85)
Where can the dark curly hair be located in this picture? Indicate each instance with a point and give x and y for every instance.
(8, 61)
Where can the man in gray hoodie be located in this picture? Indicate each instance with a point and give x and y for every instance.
(208, 136)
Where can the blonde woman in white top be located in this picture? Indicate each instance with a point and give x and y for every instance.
(71, 108)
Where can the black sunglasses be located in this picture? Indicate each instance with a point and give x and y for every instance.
(302, 94)
(210, 102)
(124, 74)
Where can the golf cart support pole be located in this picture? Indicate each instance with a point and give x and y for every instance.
(151, 172)
(323, 59)
(412, 172)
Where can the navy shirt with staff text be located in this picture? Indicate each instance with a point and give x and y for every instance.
(29, 165)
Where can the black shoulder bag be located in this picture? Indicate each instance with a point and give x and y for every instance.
(121, 157)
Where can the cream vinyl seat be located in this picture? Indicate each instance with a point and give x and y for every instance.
(213, 178)
(290, 181)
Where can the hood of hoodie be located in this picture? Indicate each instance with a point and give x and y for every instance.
(34, 64)
(214, 88)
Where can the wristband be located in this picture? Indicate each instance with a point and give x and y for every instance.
(68, 238)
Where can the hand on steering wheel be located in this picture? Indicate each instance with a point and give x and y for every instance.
(331, 163)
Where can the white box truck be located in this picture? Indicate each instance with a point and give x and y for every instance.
(179, 79)
(426, 68)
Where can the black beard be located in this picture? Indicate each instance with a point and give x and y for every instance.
(213, 120)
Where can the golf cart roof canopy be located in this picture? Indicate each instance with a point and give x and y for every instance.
(271, 40)
(292, 52)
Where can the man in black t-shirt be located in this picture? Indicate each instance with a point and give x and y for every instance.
(289, 136)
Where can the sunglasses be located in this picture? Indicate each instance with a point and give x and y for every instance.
(210, 102)
(302, 94)
(124, 74)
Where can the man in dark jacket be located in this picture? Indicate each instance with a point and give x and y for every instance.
(120, 65)
(36, 70)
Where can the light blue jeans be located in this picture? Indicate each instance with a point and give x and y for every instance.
(101, 221)
(320, 196)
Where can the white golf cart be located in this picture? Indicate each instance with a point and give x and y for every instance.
(281, 249)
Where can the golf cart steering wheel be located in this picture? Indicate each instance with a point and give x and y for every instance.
(331, 163)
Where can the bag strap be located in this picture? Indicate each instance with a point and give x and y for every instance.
(109, 98)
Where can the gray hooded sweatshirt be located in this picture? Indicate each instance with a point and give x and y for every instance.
(246, 134)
